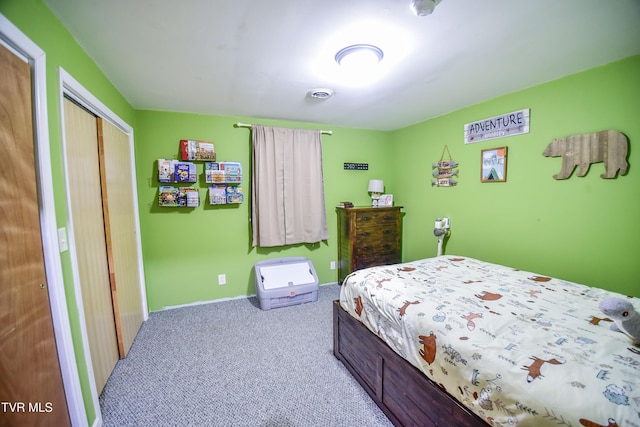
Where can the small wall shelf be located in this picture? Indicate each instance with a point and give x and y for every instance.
(176, 171)
(180, 197)
(222, 194)
(223, 172)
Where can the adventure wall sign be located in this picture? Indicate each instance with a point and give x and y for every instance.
(497, 127)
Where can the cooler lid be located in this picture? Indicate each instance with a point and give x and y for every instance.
(283, 275)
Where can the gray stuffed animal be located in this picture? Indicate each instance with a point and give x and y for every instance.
(626, 318)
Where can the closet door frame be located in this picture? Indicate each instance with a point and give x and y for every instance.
(70, 88)
(17, 41)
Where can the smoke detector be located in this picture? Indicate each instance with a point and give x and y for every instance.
(320, 93)
(423, 7)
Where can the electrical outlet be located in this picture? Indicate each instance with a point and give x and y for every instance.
(333, 265)
(222, 279)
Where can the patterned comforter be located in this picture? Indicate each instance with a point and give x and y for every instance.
(515, 347)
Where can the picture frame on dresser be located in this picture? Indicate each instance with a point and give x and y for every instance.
(385, 200)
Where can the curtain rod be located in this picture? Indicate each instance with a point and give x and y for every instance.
(247, 125)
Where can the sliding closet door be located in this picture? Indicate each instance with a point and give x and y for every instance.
(117, 180)
(81, 142)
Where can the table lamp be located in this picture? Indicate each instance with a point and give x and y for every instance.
(376, 187)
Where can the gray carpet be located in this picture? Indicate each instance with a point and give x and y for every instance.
(232, 364)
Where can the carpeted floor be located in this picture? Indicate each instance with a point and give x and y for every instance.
(232, 364)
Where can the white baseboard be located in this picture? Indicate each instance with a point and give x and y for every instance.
(172, 307)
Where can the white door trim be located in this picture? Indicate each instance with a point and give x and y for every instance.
(71, 88)
(17, 41)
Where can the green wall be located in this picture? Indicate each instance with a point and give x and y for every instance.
(580, 229)
(185, 249)
(583, 229)
(37, 22)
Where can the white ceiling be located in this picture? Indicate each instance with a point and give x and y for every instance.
(260, 58)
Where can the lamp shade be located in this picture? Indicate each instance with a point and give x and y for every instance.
(376, 186)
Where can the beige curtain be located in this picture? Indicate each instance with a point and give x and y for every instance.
(287, 193)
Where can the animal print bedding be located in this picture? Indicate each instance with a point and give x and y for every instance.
(515, 347)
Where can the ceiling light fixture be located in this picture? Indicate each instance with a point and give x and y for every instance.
(359, 56)
(423, 7)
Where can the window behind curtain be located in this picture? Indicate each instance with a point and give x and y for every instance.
(287, 192)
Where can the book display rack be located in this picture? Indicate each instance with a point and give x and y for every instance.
(224, 178)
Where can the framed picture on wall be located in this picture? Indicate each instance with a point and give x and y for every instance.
(493, 165)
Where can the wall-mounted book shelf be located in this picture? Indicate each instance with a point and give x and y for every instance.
(224, 177)
(178, 197)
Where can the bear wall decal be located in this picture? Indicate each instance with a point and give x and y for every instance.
(608, 146)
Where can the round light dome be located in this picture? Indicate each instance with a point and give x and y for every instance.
(359, 56)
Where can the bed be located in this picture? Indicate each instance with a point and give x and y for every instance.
(453, 340)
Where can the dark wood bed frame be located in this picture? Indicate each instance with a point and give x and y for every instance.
(404, 394)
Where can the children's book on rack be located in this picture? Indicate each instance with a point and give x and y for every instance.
(223, 172)
(212, 173)
(166, 170)
(217, 194)
(220, 194)
(191, 149)
(234, 194)
(232, 172)
(170, 196)
(186, 172)
(176, 171)
(192, 196)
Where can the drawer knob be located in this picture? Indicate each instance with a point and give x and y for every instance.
(387, 217)
(366, 233)
(366, 248)
(386, 232)
(365, 218)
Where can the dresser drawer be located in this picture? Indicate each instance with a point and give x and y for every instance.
(367, 261)
(377, 247)
(385, 233)
(372, 219)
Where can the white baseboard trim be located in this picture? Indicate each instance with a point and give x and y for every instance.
(196, 303)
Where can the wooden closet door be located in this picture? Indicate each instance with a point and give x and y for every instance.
(81, 142)
(31, 387)
(119, 214)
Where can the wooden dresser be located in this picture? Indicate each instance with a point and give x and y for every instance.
(368, 237)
